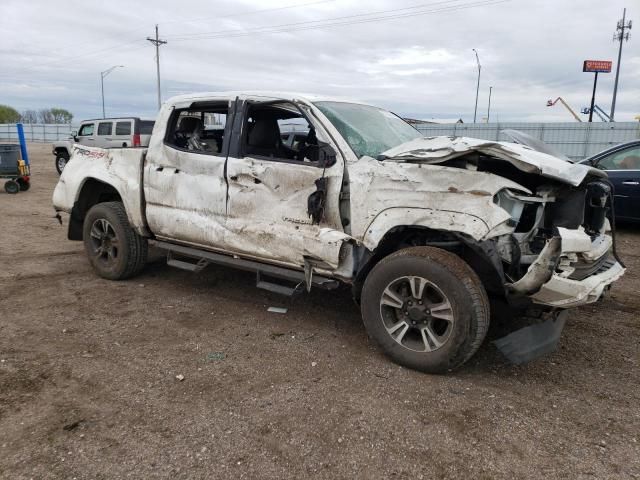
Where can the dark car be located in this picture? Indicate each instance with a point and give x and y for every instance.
(622, 164)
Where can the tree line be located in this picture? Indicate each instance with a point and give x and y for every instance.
(45, 115)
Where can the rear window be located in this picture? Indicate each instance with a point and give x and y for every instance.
(146, 127)
(105, 128)
(123, 128)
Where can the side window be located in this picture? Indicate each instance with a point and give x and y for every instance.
(628, 159)
(86, 130)
(268, 129)
(123, 128)
(105, 128)
(199, 129)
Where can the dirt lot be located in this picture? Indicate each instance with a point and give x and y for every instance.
(88, 384)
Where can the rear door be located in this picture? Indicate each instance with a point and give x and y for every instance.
(123, 135)
(623, 168)
(86, 134)
(104, 136)
(185, 188)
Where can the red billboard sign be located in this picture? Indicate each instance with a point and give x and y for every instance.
(602, 66)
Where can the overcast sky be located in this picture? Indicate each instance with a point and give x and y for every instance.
(418, 63)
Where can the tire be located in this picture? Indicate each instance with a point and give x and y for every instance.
(24, 185)
(426, 308)
(12, 187)
(61, 162)
(114, 249)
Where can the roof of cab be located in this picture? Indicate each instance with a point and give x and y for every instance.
(267, 95)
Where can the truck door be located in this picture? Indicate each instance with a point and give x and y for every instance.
(269, 188)
(185, 187)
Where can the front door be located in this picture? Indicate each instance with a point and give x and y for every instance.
(86, 135)
(185, 187)
(269, 188)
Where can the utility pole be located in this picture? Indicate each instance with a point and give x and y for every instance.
(475, 112)
(489, 107)
(157, 42)
(619, 36)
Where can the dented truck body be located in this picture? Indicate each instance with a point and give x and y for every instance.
(533, 227)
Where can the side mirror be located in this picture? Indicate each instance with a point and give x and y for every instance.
(74, 135)
(326, 155)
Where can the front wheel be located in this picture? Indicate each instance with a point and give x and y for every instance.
(426, 308)
(114, 249)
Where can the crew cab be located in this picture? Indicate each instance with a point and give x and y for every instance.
(424, 230)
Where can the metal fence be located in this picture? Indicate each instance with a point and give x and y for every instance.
(575, 140)
(36, 132)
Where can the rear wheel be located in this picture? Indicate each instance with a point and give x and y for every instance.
(426, 308)
(61, 161)
(11, 186)
(114, 249)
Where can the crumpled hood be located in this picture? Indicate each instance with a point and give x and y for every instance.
(441, 149)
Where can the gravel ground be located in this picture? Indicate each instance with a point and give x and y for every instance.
(88, 385)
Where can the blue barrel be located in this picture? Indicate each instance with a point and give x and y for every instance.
(9, 156)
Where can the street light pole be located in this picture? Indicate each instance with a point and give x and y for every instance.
(102, 75)
(475, 112)
(489, 107)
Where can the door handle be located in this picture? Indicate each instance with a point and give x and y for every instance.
(630, 182)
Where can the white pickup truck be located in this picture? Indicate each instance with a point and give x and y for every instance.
(425, 230)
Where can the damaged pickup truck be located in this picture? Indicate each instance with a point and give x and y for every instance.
(425, 230)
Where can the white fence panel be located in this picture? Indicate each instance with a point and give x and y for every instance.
(575, 140)
(37, 132)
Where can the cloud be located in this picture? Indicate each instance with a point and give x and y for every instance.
(420, 66)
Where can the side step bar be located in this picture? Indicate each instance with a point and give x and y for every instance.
(204, 257)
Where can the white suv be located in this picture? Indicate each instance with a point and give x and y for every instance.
(105, 133)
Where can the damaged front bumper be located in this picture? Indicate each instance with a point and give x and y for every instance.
(571, 270)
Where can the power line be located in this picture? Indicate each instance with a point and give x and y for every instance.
(249, 12)
(424, 9)
(418, 10)
(342, 17)
(120, 45)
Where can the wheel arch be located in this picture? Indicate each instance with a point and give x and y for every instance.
(481, 256)
(61, 150)
(92, 192)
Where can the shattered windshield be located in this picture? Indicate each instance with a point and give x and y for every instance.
(368, 130)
